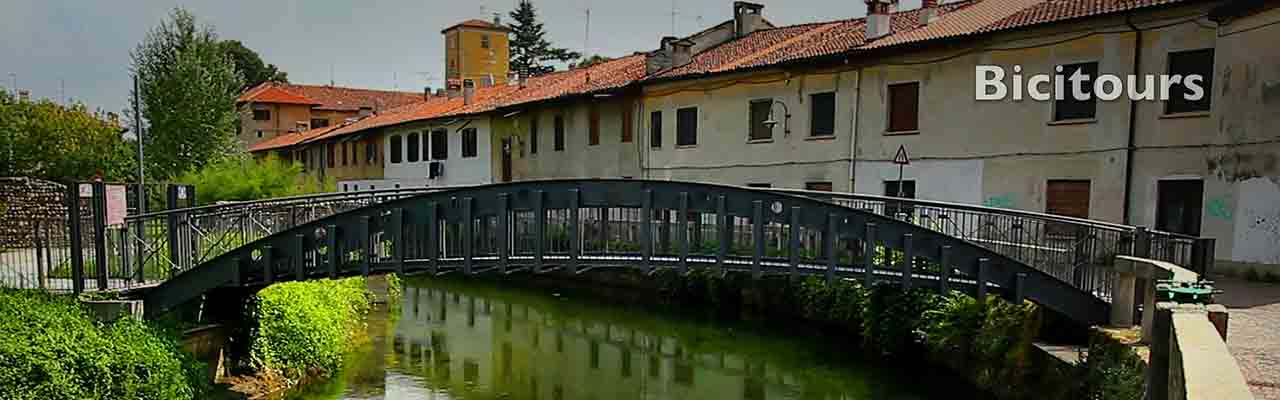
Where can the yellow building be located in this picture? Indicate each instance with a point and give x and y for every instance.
(476, 50)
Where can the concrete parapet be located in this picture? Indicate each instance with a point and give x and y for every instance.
(1189, 359)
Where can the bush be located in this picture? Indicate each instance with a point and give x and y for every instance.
(1112, 371)
(51, 349)
(304, 327)
(244, 178)
(894, 318)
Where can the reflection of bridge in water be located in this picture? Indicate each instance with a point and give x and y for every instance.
(473, 345)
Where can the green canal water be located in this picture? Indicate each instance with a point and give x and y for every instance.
(477, 340)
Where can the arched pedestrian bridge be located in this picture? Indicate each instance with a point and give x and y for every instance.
(572, 226)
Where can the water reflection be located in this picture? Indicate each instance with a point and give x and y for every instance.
(457, 340)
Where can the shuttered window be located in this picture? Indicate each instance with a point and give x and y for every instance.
(627, 116)
(655, 129)
(904, 107)
(414, 152)
(822, 114)
(1069, 108)
(440, 144)
(593, 126)
(397, 149)
(687, 126)
(559, 133)
(470, 147)
(1067, 198)
(760, 113)
(1185, 63)
(533, 135)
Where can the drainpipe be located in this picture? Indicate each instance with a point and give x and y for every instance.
(853, 130)
(1133, 110)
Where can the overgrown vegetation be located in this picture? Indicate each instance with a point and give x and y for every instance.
(50, 348)
(303, 328)
(245, 178)
(991, 342)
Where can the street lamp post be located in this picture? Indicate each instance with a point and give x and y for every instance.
(786, 118)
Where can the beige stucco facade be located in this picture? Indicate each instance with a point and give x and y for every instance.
(724, 153)
(610, 158)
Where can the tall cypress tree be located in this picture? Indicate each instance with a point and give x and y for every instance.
(530, 48)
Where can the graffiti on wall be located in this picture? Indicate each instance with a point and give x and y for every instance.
(1007, 200)
(1219, 207)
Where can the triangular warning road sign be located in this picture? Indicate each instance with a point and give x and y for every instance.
(902, 158)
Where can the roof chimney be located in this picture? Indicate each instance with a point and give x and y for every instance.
(747, 18)
(24, 95)
(928, 11)
(878, 18)
(426, 93)
(468, 91)
(453, 89)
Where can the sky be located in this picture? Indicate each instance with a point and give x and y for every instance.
(79, 50)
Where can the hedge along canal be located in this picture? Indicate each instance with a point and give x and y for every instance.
(883, 332)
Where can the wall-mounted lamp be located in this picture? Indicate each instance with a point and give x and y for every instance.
(786, 118)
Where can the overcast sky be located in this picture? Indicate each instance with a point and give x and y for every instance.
(84, 45)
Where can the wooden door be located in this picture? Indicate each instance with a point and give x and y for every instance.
(1067, 198)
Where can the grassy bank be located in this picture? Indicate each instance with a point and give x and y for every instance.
(989, 343)
(50, 348)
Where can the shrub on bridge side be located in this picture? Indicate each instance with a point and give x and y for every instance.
(50, 348)
(303, 328)
(239, 178)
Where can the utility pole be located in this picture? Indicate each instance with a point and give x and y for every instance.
(137, 133)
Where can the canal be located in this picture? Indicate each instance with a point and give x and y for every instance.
(453, 339)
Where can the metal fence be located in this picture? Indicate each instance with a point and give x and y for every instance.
(152, 247)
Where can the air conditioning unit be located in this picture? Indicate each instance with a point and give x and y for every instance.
(435, 169)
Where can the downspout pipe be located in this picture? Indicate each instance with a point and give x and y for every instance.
(1131, 148)
(853, 131)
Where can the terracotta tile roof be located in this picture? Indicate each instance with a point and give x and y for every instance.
(289, 139)
(329, 97)
(1060, 10)
(478, 23)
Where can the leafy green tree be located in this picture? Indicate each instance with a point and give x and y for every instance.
(188, 88)
(593, 60)
(250, 65)
(51, 141)
(241, 178)
(530, 49)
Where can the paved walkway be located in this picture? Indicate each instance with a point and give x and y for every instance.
(1253, 335)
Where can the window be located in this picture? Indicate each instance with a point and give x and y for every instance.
(818, 186)
(342, 148)
(902, 189)
(759, 185)
(303, 159)
(397, 149)
(484, 41)
(1067, 198)
(627, 132)
(760, 113)
(687, 126)
(533, 135)
(1194, 62)
(593, 126)
(317, 123)
(259, 134)
(370, 152)
(822, 114)
(469, 145)
(904, 107)
(261, 114)
(1069, 108)
(329, 154)
(440, 144)
(655, 129)
(414, 152)
(559, 133)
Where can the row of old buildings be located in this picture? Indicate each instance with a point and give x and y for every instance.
(826, 106)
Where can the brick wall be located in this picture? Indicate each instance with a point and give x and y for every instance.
(26, 202)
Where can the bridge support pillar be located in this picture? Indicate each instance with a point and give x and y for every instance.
(1122, 299)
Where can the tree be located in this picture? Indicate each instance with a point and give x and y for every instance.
(593, 60)
(530, 48)
(242, 177)
(188, 88)
(250, 65)
(47, 140)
